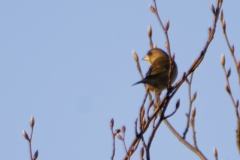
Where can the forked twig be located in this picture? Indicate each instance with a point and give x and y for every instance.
(29, 139)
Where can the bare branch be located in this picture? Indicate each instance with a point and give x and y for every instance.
(171, 91)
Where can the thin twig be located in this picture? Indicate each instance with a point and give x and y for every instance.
(166, 117)
(165, 29)
(29, 139)
(162, 117)
(113, 146)
(227, 75)
(199, 153)
(124, 143)
(231, 48)
(113, 139)
(190, 106)
(146, 148)
(140, 72)
(228, 88)
(30, 143)
(194, 135)
(136, 132)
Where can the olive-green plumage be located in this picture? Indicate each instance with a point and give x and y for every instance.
(157, 75)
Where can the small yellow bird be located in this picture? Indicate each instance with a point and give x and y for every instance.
(157, 75)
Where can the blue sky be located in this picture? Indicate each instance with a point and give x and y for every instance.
(69, 64)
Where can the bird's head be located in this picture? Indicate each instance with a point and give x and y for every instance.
(153, 54)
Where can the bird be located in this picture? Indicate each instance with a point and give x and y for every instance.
(157, 76)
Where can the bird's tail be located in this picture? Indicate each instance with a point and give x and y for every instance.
(137, 83)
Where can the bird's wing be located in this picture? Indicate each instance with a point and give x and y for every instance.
(160, 65)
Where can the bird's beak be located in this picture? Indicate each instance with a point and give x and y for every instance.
(146, 58)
